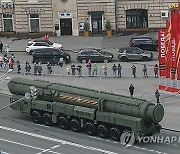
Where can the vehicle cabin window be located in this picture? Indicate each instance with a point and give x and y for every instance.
(41, 44)
(84, 52)
(129, 51)
(136, 52)
(149, 41)
(95, 53)
(39, 53)
(55, 53)
(48, 42)
(29, 44)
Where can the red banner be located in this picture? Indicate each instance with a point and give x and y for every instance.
(173, 43)
(162, 51)
(178, 46)
(168, 48)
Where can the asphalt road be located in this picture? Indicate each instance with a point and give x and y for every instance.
(19, 135)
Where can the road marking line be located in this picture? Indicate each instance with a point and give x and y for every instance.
(48, 150)
(29, 146)
(4, 152)
(57, 140)
(42, 125)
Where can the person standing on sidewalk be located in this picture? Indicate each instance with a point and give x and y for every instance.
(35, 68)
(27, 68)
(49, 68)
(46, 37)
(157, 95)
(133, 67)
(89, 66)
(18, 66)
(156, 69)
(114, 68)
(119, 70)
(145, 71)
(68, 69)
(95, 69)
(39, 69)
(1, 47)
(131, 90)
(79, 70)
(73, 69)
(105, 70)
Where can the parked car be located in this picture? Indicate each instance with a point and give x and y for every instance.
(45, 55)
(134, 53)
(41, 43)
(144, 42)
(95, 55)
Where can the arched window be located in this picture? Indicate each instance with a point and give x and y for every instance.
(136, 18)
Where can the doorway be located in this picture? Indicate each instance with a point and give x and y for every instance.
(96, 22)
(66, 26)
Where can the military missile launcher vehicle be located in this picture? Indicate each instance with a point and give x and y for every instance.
(95, 112)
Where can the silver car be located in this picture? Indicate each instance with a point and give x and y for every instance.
(134, 53)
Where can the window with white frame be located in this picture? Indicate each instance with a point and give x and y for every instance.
(34, 23)
(8, 22)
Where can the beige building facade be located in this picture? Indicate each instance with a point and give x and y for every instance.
(67, 17)
(142, 14)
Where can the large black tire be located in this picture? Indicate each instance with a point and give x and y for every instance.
(90, 128)
(115, 133)
(124, 59)
(102, 131)
(105, 60)
(47, 119)
(75, 125)
(145, 59)
(36, 117)
(63, 122)
(83, 61)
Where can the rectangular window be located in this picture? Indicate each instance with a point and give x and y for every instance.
(8, 22)
(34, 23)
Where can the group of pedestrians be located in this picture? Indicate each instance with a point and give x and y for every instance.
(116, 70)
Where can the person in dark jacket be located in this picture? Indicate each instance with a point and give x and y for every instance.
(35, 68)
(49, 68)
(157, 95)
(27, 68)
(73, 69)
(133, 67)
(114, 68)
(79, 67)
(119, 68)
(18, 66)
(39, 69)
(131, 90)
(1, 47)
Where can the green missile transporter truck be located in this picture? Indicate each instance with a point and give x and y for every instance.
(76, 108)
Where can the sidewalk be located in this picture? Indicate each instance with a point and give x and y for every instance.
(78, 42)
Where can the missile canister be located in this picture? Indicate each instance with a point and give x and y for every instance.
(103, 101)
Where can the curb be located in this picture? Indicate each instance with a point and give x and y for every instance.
(172, 130)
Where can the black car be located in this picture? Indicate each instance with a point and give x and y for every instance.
(95, 55)
(144, 42)
(45, 55)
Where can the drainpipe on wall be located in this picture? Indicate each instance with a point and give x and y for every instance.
(115, 15)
